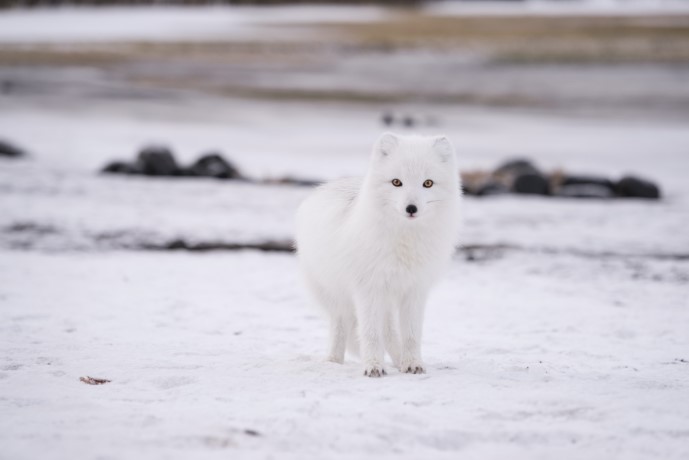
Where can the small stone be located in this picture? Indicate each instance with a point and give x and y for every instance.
(213, 165)
(93, 381)
(157, 161)
(121, 167)
(521, 176)
(516, 167)
(531, 184)
(635, 187)
(10, 151)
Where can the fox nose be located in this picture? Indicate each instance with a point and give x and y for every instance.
(411, 209)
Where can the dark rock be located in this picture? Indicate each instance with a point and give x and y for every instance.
(388, 118)
(585, 191)
(588, 180)
(213, 165)
(531, 184)
(10, 151)
(517, 167)
(408, 121)
(492, 188)
(121, 167)
(157, 161)
(6, 86)
(521, 176)
(635, 187)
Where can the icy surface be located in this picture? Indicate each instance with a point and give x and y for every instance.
(216, 355)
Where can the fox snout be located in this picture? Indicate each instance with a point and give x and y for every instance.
(412, 210)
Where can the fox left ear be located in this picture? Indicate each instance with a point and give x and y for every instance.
(443, 148)
(387, 143)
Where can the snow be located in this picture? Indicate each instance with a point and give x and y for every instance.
(169, 23)
(529, 356)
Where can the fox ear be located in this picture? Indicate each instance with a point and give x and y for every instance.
(386, 144)
(443, 148)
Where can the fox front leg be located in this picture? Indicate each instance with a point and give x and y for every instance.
(370, 329)
(411, 328)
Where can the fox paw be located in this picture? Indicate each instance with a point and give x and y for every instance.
(374, 372)
(413, 368)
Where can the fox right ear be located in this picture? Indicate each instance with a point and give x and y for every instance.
(386, 144)
(443, 148)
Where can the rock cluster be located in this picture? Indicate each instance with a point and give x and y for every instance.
(407, 120)
(160, 161)
(520, 176)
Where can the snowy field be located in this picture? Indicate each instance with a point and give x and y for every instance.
(572, 344)
(530, 356)
(559, 331)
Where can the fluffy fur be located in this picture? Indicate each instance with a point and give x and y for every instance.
(370, 262)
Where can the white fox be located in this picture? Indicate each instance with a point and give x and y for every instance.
(369, 250)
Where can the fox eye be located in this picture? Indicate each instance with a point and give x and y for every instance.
(428, 183)
(397, 182)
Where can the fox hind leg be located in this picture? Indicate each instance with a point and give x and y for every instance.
(338, 322)
(338, 339)
(353, 346)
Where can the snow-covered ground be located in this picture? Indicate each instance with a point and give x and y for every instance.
(531, 356)
(573, 345)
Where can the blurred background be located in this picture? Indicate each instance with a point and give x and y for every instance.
(591, 98)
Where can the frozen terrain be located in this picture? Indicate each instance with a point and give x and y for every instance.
(567, 339)
(559, 331)
(529, 357)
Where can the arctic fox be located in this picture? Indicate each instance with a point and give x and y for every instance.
(369, 249)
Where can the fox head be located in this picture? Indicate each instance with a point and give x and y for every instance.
(412, 177)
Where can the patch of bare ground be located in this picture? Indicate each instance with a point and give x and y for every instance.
(532, 38)
(348, 61)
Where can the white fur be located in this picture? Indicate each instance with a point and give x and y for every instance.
(370, 264)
